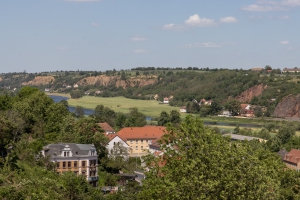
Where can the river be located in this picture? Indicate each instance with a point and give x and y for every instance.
(71, 108)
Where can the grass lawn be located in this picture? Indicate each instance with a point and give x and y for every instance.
(150, 108)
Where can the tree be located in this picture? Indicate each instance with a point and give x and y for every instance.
(268, 67)
(79, 111)
(175, 117)
(135, 118)
(199, 164)
(285, 133)
(233, 106)
(215, 107)
(270, 126)
(76, 94)
(163, 119)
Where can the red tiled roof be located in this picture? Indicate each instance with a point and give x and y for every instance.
(110, 136)
(293, 156)
(146, 132)
(106, 127)
(243, 106)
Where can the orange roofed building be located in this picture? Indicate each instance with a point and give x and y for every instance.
(292, 159)
(139, 138)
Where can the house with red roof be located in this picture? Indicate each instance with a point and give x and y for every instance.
(140, 138)
(292, 159)
(246, 110)
(107, 128)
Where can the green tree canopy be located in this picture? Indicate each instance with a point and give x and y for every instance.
(199, 164)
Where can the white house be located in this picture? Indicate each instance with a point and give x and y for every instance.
(183, 109)
(116, 145)
(166, 100)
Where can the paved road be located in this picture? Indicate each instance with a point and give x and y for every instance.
(140, 177)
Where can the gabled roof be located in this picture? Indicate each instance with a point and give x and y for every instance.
(146, 132)
(293, 156)
(78, 150)
(106, 127)
(244, 105)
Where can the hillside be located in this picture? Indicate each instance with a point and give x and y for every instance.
(184, 86)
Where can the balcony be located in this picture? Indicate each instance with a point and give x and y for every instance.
(93, 178)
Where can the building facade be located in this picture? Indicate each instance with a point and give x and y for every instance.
(81, 159)
(139, 138)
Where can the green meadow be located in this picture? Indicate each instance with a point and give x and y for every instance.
(150, 108)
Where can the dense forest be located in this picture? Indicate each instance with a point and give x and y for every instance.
(31, 120)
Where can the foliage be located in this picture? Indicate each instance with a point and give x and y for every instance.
(233, 106)
(198, 164)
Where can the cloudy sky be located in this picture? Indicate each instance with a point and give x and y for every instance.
(50, 35)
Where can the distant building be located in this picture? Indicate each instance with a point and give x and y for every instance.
(166, 100)
(257, 69)
(81, 159)
(243, 137)
(183, 109)
(139, 138)
(107, 128)
(292, 159)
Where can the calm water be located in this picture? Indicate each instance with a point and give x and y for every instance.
(71, 108)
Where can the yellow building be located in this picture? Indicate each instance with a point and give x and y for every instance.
(82, 159)
(139, 138)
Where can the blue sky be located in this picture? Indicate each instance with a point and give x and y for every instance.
(50, 35)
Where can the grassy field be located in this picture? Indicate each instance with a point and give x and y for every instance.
(150, 108)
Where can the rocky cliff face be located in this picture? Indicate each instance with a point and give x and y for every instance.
(104, 80)
(40, 80)
(254, 91)
(288, 107)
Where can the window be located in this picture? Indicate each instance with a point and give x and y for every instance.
(142, 147)
(65, 154)
(131, 141)
(58, 165)
(83, 163)
(64, 164)
(69, 164)
(142, 141)
(114, 143)
(136, 141)
(75, 163)
(136, 148)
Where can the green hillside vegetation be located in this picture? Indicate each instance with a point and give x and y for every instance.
(121, 104)
(184, 84)
(207, 164)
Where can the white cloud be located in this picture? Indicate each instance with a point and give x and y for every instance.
(284, 42)
(228, 20)
(96, 24)
(195, 20)
(205, 44)
(271, 5)
(63, 48)
(168, 26)
(139, 51)
(137, 39)
(284, 17)
(291, 2)
(259, 8)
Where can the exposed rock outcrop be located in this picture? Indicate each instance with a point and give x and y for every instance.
(254, 91)
(40, 80)
(103, 80)
(288, 107)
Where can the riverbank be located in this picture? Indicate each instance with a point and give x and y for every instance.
(58, 94)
